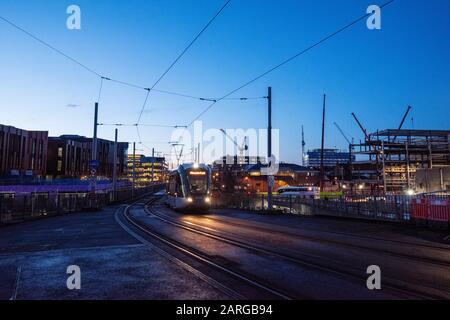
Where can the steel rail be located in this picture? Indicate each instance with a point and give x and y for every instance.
(415, 290)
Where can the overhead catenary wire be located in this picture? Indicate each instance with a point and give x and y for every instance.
(213, 101)
(124, 83)
(245, 98)
(143, 105)
(178, 94)
(286, 61)
(183, 52)
(99, 74)
(132, 85)
(100, 90)
(141, 125)
(50, 46)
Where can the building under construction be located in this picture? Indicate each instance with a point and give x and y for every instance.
(398, 161)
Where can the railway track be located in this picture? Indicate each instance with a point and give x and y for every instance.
(406, 288)
(269, 292)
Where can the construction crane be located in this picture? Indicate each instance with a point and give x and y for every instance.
(361, 127)
(242, 148)
(403, 121)
(343, 134)
(303, 147)
(404, 117)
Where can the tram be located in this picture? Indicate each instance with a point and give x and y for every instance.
(189, 187)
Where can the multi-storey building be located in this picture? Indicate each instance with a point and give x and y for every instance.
(331, 157)
(147, 169)
(22, 152)
(70, 156)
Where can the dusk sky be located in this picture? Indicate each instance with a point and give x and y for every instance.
(374, 73)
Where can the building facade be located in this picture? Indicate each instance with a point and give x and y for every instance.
(289, 174)
(69, 156)
(147, 169)
(22, 152)
(229, 172)
(331, 157)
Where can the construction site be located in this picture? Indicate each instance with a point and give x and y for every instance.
(400, 161)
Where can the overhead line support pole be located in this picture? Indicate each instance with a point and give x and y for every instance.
(322, 171)
(270, 178)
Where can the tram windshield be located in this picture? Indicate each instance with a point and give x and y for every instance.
(198, 182)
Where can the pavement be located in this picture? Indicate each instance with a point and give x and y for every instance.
(34, 257)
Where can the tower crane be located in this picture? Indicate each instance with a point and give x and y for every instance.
(303, 147)
(242, 148)
(403, 120)
(361, 127)
(343, 134)
(404, 117)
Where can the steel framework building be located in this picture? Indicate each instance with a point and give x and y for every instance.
(388, 160)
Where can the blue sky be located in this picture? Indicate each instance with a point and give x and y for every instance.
(375, 74)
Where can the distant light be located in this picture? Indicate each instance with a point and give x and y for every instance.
(190, 199)
(410, 192)
(207, 199)
(195, 165)
(344, 186)
(361, 186)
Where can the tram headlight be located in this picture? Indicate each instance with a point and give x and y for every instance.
(207, 199)
(190, 200)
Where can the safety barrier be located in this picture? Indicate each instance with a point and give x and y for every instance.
(18, 207)
(431, 210)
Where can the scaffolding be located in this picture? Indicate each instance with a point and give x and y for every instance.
(388, 160)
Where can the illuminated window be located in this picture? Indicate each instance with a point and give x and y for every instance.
(59, 166)
(60, 152)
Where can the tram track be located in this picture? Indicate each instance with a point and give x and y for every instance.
(410, 289)
(442, 248)
(431, 261)
(270, 292)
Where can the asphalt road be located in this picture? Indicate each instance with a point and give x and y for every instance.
(152, 252)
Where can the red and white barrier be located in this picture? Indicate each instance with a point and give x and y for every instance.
(439, 210)
(431, 209)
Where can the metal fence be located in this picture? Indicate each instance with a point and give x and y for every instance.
(396, 208)
(392, 209)
(18, 207)
(370, 208)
